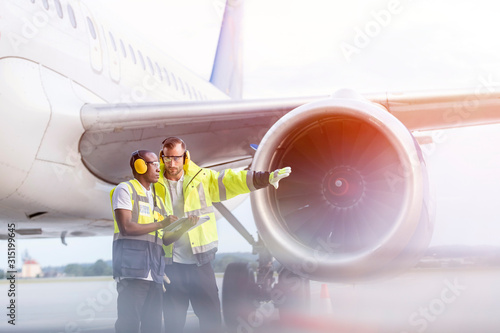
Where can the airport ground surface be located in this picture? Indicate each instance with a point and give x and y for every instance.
(432, 301)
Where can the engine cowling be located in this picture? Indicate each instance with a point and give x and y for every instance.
(356, 205)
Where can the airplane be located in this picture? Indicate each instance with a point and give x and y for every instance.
(356, 206)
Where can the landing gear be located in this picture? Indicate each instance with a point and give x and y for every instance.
(243, 295)
(239, 294)
(244, 291)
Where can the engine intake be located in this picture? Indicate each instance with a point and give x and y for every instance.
(355, 205)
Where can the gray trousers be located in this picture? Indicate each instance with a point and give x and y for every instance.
(195, 284)
(139, 306)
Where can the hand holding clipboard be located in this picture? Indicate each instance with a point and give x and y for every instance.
(176, 225)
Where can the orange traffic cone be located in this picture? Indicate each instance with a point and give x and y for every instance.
(325, 301)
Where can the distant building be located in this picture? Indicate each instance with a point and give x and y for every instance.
(31, 269)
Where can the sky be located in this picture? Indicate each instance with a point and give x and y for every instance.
(315, 47)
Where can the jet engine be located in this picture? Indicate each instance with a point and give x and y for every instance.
(356, 205)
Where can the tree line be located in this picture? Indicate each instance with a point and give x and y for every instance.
(99, 268)
(104, 268)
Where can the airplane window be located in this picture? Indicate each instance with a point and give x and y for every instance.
(45, 4)
(159, 71)
(150, 66)
(123, 49)
(132, 54)
(91, 28)
(142, 60)
(112, 41)
(71, 14)
(59, 8)
(165, 73)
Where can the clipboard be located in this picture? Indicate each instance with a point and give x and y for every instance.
(177, 224)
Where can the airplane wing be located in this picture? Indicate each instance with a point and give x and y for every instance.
(219, 133)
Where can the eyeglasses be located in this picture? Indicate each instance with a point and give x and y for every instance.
(156, 164)
(168, 159)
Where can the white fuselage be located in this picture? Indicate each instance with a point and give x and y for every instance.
(56, 56)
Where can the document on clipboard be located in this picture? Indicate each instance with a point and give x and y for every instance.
(174, 226)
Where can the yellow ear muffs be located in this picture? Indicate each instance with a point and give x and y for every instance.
(187, 158)
(140, 166)
(160, 154)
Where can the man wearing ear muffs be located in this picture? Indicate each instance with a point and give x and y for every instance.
(188, 190)
(138, 265)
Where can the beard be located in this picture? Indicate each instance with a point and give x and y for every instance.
(173, 172)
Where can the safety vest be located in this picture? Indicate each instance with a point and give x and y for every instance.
(136, 256)
(202, 187)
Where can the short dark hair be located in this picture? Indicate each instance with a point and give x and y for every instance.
(173, 141)
(137, 155)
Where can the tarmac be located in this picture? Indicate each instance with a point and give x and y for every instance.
(440, 300)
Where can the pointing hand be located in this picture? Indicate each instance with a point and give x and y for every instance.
(279, 174)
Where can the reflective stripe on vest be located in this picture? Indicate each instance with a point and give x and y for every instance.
(142, 213)
(198, 201)
(139, 256)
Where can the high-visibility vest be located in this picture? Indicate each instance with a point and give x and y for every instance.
(202, 187)
(136, 256)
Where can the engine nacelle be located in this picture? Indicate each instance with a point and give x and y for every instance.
(356, 203)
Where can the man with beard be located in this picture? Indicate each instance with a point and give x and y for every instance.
(189, 190)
